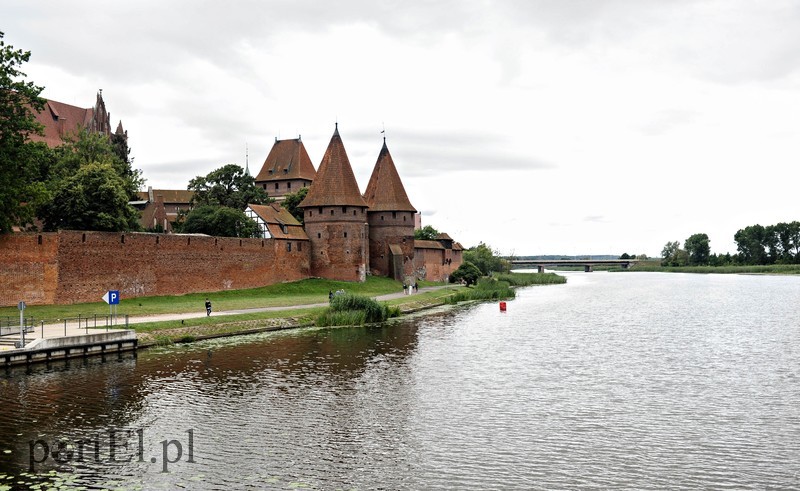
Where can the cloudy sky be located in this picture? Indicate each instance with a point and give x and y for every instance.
(536, 126)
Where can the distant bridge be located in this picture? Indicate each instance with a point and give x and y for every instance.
(588, 264)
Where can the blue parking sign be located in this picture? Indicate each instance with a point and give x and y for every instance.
(111, 297)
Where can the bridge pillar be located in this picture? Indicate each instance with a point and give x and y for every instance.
(587, 268)
(540, 268)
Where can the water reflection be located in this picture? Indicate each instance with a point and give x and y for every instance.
(641, 381)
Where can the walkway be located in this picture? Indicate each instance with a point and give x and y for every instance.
(72, 329)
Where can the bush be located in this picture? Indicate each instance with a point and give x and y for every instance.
(355, 310)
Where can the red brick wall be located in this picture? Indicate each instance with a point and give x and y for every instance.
(28, 269)
(334, 255)
(386, 228)
(74, 267)
(428, 263)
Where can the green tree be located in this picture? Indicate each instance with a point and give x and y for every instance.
(18, 101)
(227, 186)
(94, 198)
(751, 243)
(291, 200)
(85, 148)
(79, 180)
(220, 221)
(467, 272)
(426, 233)
(673, 255)
(485, 259)
(698, 249)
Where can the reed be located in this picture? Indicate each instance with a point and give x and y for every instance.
(355, 310)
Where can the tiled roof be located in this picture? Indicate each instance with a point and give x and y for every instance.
(443, 236)
(276, 217)
(427, 244)
(288, 159)
(170, 195)
(385, 191)
(60, 120)
(458, 247)
(335, 184)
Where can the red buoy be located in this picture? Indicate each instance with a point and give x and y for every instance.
(502, 306)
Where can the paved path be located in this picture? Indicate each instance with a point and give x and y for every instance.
(72, 328)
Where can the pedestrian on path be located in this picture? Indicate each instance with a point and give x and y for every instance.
(208, 307)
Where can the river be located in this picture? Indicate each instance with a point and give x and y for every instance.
(611, 381)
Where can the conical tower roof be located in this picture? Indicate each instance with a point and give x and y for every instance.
(385, 191)
(335, 184)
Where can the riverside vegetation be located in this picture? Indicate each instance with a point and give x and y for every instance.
(301, 303)
(500, 286)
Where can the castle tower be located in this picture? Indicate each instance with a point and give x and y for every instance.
(335, 216)
(287, 169)
(391, 221)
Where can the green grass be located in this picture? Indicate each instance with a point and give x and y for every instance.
(307, 314)
(528, 279)
(486, 289)
(500, 286)
(732, 269)
(283, 294)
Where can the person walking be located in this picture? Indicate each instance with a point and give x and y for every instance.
(208, 307)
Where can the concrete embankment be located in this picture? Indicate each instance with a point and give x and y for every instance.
(58, 348)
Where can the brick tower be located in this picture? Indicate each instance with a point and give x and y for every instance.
(391, 221)
(335, 216)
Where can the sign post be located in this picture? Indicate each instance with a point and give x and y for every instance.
(21, 306)
(111, 297)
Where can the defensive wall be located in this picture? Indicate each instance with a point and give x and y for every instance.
(72, 266)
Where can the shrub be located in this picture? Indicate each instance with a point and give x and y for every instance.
(355, 310)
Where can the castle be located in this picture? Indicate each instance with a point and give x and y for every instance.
(345, 236)
(349, 234)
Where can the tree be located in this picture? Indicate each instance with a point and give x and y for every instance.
(426, 233)
(86, 147)
(227, 186)
(291, 200)
(86, 175)
(94, 198)
(673, 255)
(625, 255)
(220, 221)
(485, 259)
(698, 249)
(18, 101)
(750, 242)
(467, 272)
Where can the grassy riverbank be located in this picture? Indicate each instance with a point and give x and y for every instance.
(732, 269)
(301, 300)
(280, 295)
(501, 286)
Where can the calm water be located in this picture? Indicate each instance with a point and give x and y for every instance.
(638, 381)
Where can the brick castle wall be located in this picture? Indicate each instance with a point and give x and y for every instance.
(339, 242)
(28, 268)
(390, 228)
(436, 264)
(70, 267)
